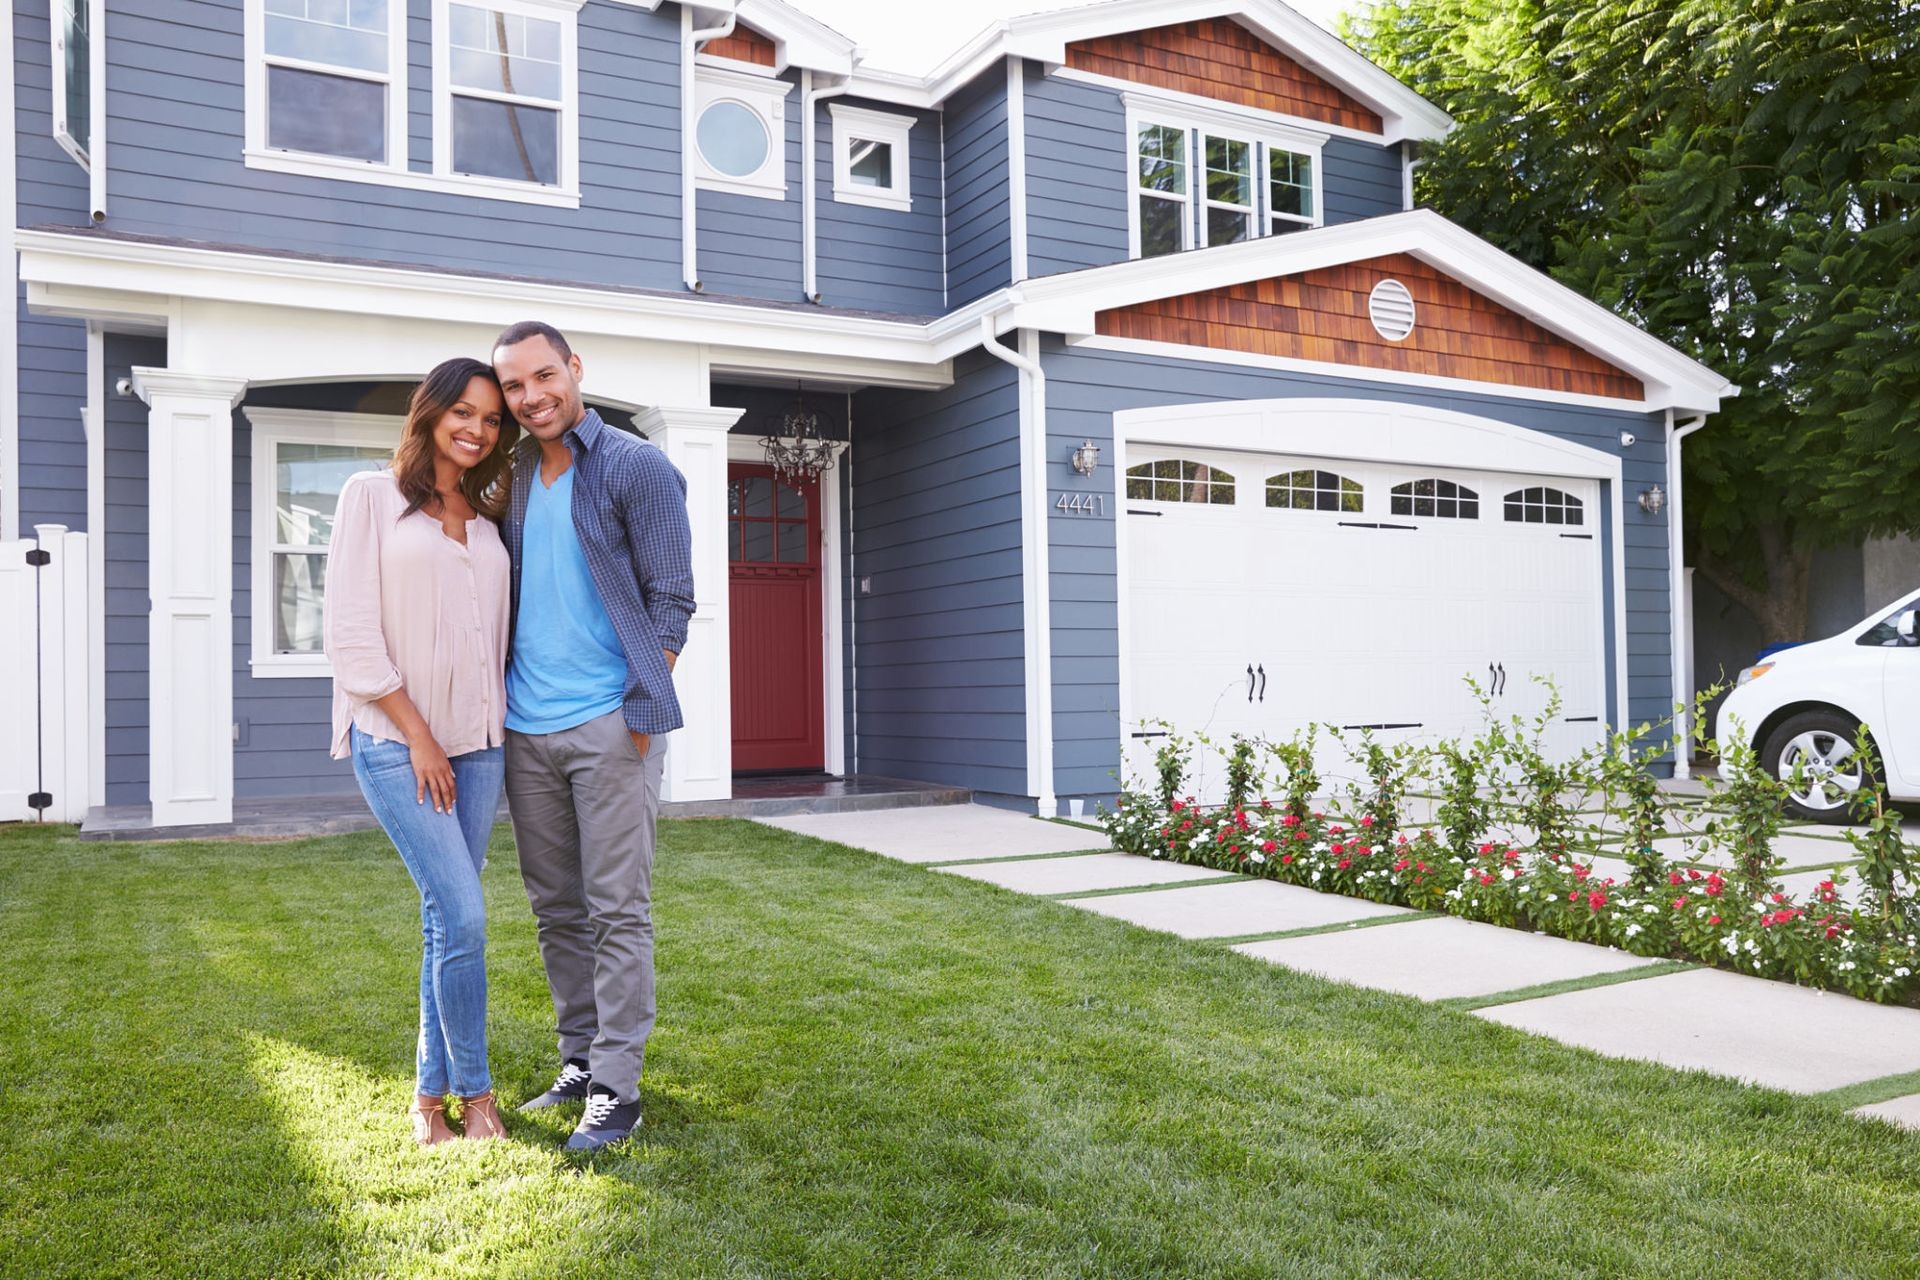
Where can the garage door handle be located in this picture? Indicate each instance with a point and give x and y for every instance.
(1263, 682)
(1583, 719)
(1152, 733)
(1493, 682)
(1249, 682)
(1503, 677)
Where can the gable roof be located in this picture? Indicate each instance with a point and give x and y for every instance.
(1071, 303)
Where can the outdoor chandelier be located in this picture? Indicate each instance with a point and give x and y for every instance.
(793, 445)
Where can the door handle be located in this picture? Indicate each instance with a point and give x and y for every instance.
(1249, 682)
(1503, 678)
(1493, 682)
(1263, 682)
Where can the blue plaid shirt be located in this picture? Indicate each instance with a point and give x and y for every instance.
(630, 511)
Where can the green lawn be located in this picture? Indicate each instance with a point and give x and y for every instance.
(862, 1069)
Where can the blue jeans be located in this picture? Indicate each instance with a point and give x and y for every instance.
(444, 853)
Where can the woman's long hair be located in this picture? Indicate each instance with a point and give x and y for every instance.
(487, 483)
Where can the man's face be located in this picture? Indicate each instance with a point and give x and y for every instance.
(542, 390)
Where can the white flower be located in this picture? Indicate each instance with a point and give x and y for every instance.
(1733, 946)
(1633, 931)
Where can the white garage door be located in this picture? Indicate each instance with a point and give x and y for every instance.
(1269, 592)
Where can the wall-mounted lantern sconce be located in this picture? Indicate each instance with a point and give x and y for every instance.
(1653, 501)
(1086, 459)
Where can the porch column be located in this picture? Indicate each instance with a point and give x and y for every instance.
(190, 588)
(700, 757)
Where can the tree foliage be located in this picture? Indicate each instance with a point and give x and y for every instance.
(1740, 178)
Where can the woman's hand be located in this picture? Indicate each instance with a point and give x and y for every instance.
(432, 771)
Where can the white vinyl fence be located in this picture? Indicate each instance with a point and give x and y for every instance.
(43, 673)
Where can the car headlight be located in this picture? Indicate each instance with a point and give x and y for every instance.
(1753, 673)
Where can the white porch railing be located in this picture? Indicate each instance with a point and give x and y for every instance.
(43, 677)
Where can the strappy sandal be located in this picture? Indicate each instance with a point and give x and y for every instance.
(480, 1117)
(430, 1127)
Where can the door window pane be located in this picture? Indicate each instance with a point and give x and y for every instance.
(759, 491)
(759, 542)
(504, 140)
(793, 542)
(326, 115)
(793, 503)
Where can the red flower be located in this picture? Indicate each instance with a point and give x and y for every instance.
(1574, 896)
(1344, 863)
(1336, 829)
(1233, 848)
(1291, 820)
(1286, 857)
(1779, 897)
(1513, 855)
(1678, 903)
(1693, 873)
(1337, 846)
(1596, 900)
(1419, 866)
(1366, 820)
(1581, 873)
(1674, 877)
(1486, 849)
(1713, 919)
(1177, 806)
(1715, 885)
(1400, 865)
(1187, 826)
(1267, 846)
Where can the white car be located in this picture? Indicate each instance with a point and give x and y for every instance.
(1803, 706)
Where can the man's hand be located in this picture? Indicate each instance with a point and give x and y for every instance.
(641, 741)
(672, 658)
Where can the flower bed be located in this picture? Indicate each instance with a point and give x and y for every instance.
(1739, 918)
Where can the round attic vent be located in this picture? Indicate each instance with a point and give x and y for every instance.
(1391, 307)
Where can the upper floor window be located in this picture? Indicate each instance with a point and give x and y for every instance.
(740, 132)
(1311, 490)
(1179, 480)
(332, 79)
(1542, 505)
(1255, 179)
(73, 26)
(870, 157)
(505, 105)
(1442, 499)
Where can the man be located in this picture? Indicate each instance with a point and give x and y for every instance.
(602, 589)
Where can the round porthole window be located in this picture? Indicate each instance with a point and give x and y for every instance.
(733, 139)
(1391, 307)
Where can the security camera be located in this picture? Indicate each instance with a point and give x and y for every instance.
(1627, 439)
(123, 387)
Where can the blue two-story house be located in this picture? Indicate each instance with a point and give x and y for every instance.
(1152, 400)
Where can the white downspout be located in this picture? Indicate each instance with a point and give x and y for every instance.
(690, 42)
(809, 178)
(1036, 579)
(97, 112)
(1682, 624)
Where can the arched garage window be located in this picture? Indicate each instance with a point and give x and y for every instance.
(1310, 490)
(1179, 480)
(1442, 499)
(1542, 505)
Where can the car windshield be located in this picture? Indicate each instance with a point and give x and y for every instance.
(1885, 634)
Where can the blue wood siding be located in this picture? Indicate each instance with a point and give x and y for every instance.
(1360, 180)
(881, 259)
(127, 678)
(51, 189)
(749, 246)
(979, 224)
(936, 516)
(1085, 388)
(1077, 170)
(176, 108)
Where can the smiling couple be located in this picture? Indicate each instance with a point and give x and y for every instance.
(507, 610)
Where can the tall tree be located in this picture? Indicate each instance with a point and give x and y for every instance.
(1740, 178)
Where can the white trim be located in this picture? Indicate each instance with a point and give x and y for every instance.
(1198, 123)
(272, 428)
(565, 190)
(767, 100)
(1375, 431)
(702, 60)
(453, 184)
(833, 653)
(1679, 594)
(257, 61)
(1364, 373)
(872, 126)
(1017, 168)
(799, 39)
(9, 312)
(1293, 133)
(95, 415)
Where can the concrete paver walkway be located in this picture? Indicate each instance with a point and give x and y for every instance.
(1089, 874)
(1235, 910)
(944, 833)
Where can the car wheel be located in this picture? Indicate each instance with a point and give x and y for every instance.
(1820, 745)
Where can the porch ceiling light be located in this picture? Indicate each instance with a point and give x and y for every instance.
(1086, 459)
(1653, 501)
(793, 445)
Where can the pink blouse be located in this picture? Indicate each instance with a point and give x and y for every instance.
(408, 607)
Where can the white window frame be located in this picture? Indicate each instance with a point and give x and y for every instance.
(885, 127)
(766, 97)
(567, 163)
(1263, 133)
(395, 79)
(96, 11)
(1265, 180)
(271, 429)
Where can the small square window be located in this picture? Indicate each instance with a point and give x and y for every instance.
(870, 157)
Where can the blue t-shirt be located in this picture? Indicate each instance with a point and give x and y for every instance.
(568, 666)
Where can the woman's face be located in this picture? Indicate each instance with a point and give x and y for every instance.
(467, 432)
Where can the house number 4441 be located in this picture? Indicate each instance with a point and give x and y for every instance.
(1081, 504)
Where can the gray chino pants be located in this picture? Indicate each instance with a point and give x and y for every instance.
(584, 803)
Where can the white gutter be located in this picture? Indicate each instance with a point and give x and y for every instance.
(1036, 582)
(1681, 641)
(809, 180)
(690, 42)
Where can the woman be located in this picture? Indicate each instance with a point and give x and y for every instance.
(416, 628)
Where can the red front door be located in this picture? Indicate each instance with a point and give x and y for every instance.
(773, 549)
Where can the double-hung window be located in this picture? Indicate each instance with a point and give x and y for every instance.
(503, 101)
(329, 79)
(1203, 178)
(74, 22)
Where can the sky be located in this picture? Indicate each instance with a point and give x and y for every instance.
(916, 36)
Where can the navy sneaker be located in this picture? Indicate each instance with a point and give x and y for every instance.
(569, 1086)
(607, 1120)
